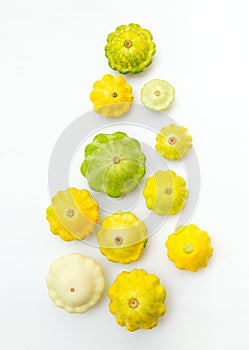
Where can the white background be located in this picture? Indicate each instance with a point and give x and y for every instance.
(51, 53)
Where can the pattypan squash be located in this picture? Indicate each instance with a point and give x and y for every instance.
(157, 94)
(111, 96)
(75, 283)
(122, 237)
(130, 49)
(189, 248)
(137, 299)
(72, 214)
(165, 193)
(173, 142)
(114, 164)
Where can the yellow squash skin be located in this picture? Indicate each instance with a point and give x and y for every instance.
(165, 193)
(130, 49)
(122, 237)
(173, 142)
(137, 300)
(111, 96)
(72, 214)
(189, 248)
(75, 283)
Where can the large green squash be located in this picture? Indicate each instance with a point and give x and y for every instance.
(130, 49)
(114, 164)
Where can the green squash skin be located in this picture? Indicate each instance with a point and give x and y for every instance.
(105, 176)
(130, 59)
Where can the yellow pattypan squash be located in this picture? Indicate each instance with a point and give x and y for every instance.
(173, 142)
(165, 193)
(130, 48)
(189, 248)
(111, 96)
(73, 214)
(122, 237)
(75, 283)
(137, 300)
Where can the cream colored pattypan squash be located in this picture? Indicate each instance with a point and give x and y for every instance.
(72, 214)
(173, 142)
(137, 300)
(111, 96)
(122, 237)
(75, 283)
(165, 193)
(189, 248)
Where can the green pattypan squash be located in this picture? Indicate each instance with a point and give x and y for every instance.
(130, 49)
(114, 164)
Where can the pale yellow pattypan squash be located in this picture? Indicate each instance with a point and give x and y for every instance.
(111, 96)
(137, 300)
(73, 214)
(122, 237)
(157, 94)
(165, 193)
(75, 283)
(189, 248)
(173, 142)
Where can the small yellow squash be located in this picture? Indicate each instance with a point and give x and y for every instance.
(189, 248)
(111, 96)
(75, 283)
(165, 193)
(72, 214)
(122, 237)
(137, 300)
(173, 142)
